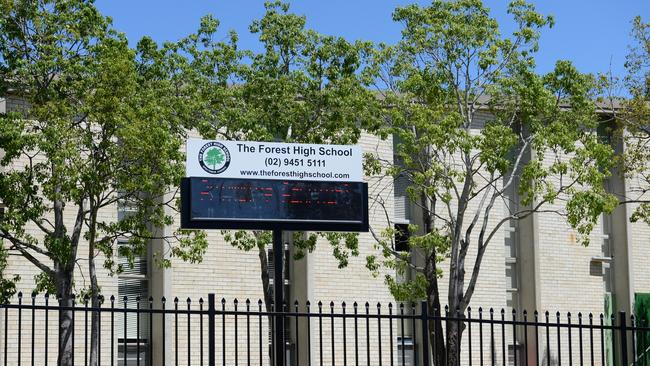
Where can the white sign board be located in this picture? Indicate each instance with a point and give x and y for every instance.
(271, 160)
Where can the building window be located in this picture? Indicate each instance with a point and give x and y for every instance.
(607, 253)
(511, 249)
(402, 204)
(285, 271)
(133, 283)
(125, 206)
(402, 236)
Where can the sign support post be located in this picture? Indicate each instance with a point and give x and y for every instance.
(278, 292)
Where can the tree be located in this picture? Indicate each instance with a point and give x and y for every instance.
(7, 285)
(451, 66)
(94, 135)
(635, 119)
(302, 87)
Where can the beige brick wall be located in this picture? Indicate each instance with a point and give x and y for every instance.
(566, 283)
(640, 241)
(355, 282)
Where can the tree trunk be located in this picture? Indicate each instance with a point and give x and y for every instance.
(266, 290)
(66, 323)
(94, 326)
(264, 269)
(454, 332)
(94, 290)
(437, 340)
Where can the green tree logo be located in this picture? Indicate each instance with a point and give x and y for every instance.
(214, 157)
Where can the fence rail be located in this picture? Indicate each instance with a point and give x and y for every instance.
(182, 332)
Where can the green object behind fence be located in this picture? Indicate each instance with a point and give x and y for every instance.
(610, 305)
(642, 317)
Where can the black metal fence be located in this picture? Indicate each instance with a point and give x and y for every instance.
(183, 332)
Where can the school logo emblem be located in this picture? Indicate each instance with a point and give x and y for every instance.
(214, 157)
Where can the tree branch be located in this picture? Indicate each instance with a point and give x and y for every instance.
(22, 248)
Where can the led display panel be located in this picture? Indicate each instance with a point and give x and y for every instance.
(222, 203)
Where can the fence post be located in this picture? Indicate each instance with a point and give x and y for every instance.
(623, 328)
(211, 340)
(424, 316)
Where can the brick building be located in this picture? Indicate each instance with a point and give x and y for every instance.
(537, 265)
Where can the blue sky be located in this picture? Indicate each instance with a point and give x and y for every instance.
(591, 33)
